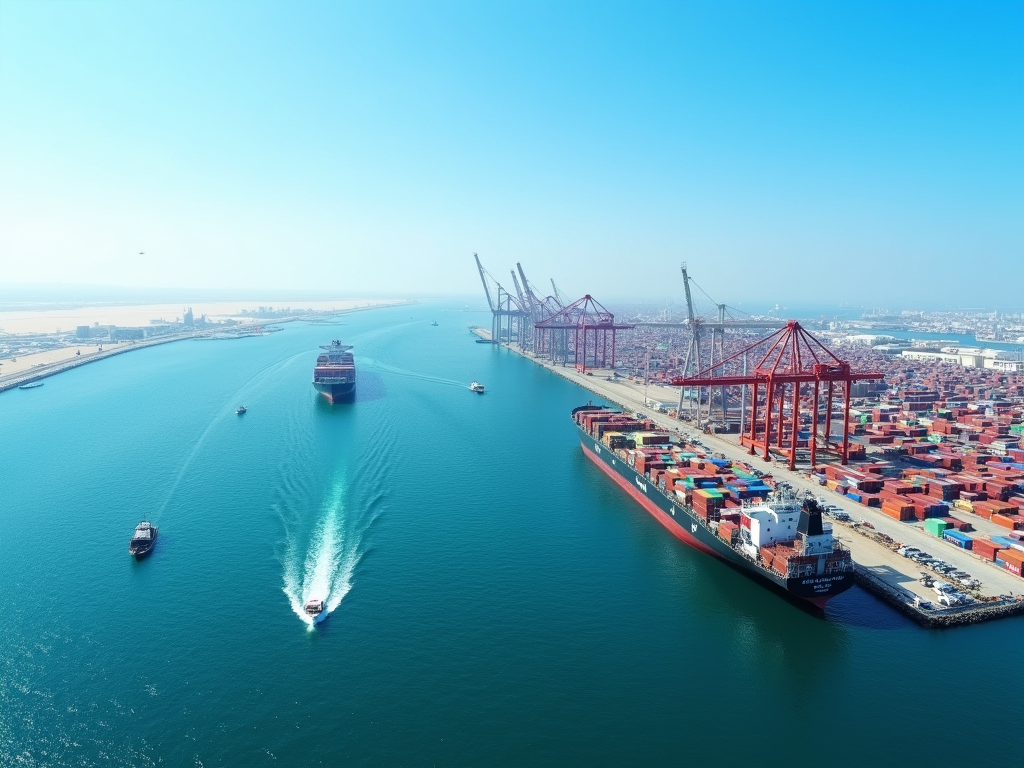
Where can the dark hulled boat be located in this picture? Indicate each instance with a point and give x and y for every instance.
(334, 376)
(143, 540)
(777, 541)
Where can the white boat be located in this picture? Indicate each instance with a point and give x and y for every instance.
(477, 387)
(316, 609)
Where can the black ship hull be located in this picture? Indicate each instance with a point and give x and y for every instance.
(683, 523)
(337, 393)
(141, 551)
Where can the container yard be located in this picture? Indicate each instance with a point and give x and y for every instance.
(934, 579)
(917, 458)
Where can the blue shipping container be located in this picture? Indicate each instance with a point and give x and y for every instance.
(962, 541)
(854, 496)
(1004, 541)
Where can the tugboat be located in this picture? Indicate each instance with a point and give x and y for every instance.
(434, 323)
(315, 609)
(241, 409)
(477, 387)
(142, 540)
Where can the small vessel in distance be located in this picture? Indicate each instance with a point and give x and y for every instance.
(477, 387)
(241, 409)
(32, 385)
(334, 376)
(314, 608)
(434, 323)
(142, 540)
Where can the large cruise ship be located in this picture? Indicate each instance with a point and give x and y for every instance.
(775, 538)
(335, 373)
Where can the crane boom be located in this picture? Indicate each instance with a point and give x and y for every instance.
(483, 279)
(534, 312)
(689, 299)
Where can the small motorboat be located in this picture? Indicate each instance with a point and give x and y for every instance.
(314, 608)
(434, 323)
(143, 540)
(240, 410)
(477, 387)
(31, 385)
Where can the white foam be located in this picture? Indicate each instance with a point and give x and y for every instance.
(328, 567)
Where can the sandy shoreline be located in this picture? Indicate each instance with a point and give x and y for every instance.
(20, 369)
(134, 315)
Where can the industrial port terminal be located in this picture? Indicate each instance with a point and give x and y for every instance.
(913, 448)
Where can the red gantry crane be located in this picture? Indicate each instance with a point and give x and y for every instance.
(793, 358)
(586, 318)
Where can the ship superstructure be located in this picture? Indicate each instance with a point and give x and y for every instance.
(334, 376)
(770, 535)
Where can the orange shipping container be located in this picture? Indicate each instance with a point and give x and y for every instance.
(1012, 556)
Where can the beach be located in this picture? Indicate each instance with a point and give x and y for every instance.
(27, 366)
(64, 319)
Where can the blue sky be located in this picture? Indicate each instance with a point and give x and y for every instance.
(799, 152)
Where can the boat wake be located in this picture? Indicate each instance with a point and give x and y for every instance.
(330, 562)
(395, 371)
(226, 411)
(325, 568)
(327, 521)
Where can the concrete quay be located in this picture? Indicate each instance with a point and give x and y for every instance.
(893, 578)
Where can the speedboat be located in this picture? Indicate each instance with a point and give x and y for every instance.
(143, 540)
(477, 387)
(241, 409)
(315, 609)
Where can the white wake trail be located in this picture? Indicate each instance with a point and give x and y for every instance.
(330, 562)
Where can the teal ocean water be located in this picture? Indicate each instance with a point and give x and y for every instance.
(495, 601)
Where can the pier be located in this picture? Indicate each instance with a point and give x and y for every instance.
(889, 576)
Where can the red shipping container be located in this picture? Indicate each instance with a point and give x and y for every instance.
(1004, 521)
(986, 549)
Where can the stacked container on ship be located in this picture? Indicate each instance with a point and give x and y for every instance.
(769, 535)
(335, 373)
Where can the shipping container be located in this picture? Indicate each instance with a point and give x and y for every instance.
(957, 538)
(986, 549)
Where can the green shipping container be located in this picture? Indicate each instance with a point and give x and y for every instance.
(935, 526)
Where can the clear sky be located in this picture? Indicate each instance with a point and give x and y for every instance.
(800, 152)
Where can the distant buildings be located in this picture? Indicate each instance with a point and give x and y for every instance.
(968, 357)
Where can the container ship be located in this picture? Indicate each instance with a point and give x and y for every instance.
(334, 376)
(769, 535)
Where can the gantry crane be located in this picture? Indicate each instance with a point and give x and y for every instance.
(508, 316)
(697, 326)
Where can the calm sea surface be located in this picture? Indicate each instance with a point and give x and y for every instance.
(496, 601)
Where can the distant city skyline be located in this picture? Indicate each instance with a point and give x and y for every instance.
(806, 154)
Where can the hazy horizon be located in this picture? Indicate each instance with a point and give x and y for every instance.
(847, 154)
(23, 297)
